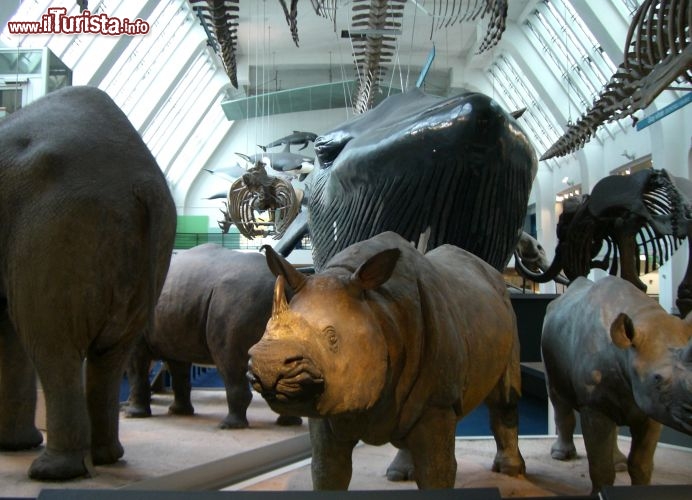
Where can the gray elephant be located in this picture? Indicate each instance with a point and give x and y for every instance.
(88, 225)
(457, 168)
(612, 353)
(214, 305)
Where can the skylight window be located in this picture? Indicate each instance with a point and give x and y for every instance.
(574, 54)
(519, 93)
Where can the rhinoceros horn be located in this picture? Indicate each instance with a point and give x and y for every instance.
(280, 305)
(281, 267)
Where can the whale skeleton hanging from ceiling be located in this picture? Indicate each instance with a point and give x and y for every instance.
(379, 22)
(375, 25)
(219, 18)
(658, 51)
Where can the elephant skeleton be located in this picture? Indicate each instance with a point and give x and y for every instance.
(644, 214)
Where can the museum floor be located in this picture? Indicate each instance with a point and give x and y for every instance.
(156, 448)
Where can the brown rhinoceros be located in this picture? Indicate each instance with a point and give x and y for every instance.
(388, 345)
(612, 353)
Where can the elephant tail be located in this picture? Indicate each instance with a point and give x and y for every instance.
(158, 226)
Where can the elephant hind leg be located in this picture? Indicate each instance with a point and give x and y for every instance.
(139, 399)
(58, 361)
(104, 375)
(68, 449)
(52, 465)
(17, 392)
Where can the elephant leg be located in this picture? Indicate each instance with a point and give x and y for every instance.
(565, 422)
(600, 438)
(504, 423)
(103, 378)
(431, 443)
(68, 449)
(139, 400)
(17, 391)
(331, 466)
(640, 462)
(182, 388)
(629, 259)
(401, 468)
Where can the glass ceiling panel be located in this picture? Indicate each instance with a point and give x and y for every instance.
(155, 134)
(85, 52)
(627, 7)
(574, 54)
(186, 117)
(202, 142)
(518, 92)
(141, 53)
(136, 79)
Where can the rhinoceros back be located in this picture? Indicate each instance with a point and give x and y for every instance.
(450, 307)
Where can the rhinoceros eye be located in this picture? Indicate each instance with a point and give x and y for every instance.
(332, 338)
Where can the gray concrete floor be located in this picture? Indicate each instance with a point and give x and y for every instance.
(164, 444)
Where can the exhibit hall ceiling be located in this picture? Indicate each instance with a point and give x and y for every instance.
(203, 65)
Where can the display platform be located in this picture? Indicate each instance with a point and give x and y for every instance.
(164, 452)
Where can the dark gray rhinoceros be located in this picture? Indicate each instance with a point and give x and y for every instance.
(612, 353)
(461, 166)
(87, 225)
(213, 307)
(387, 345)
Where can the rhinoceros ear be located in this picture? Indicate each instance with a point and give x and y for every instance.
(281, 267)
(622, 331)
(376, 270)
(280, 305)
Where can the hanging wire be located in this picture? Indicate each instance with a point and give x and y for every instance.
(247, 96)
(492, 72)
(265, 116)
(393, 69)
(564, 31)
(256, 79)
(410, 54)
(348, 98)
